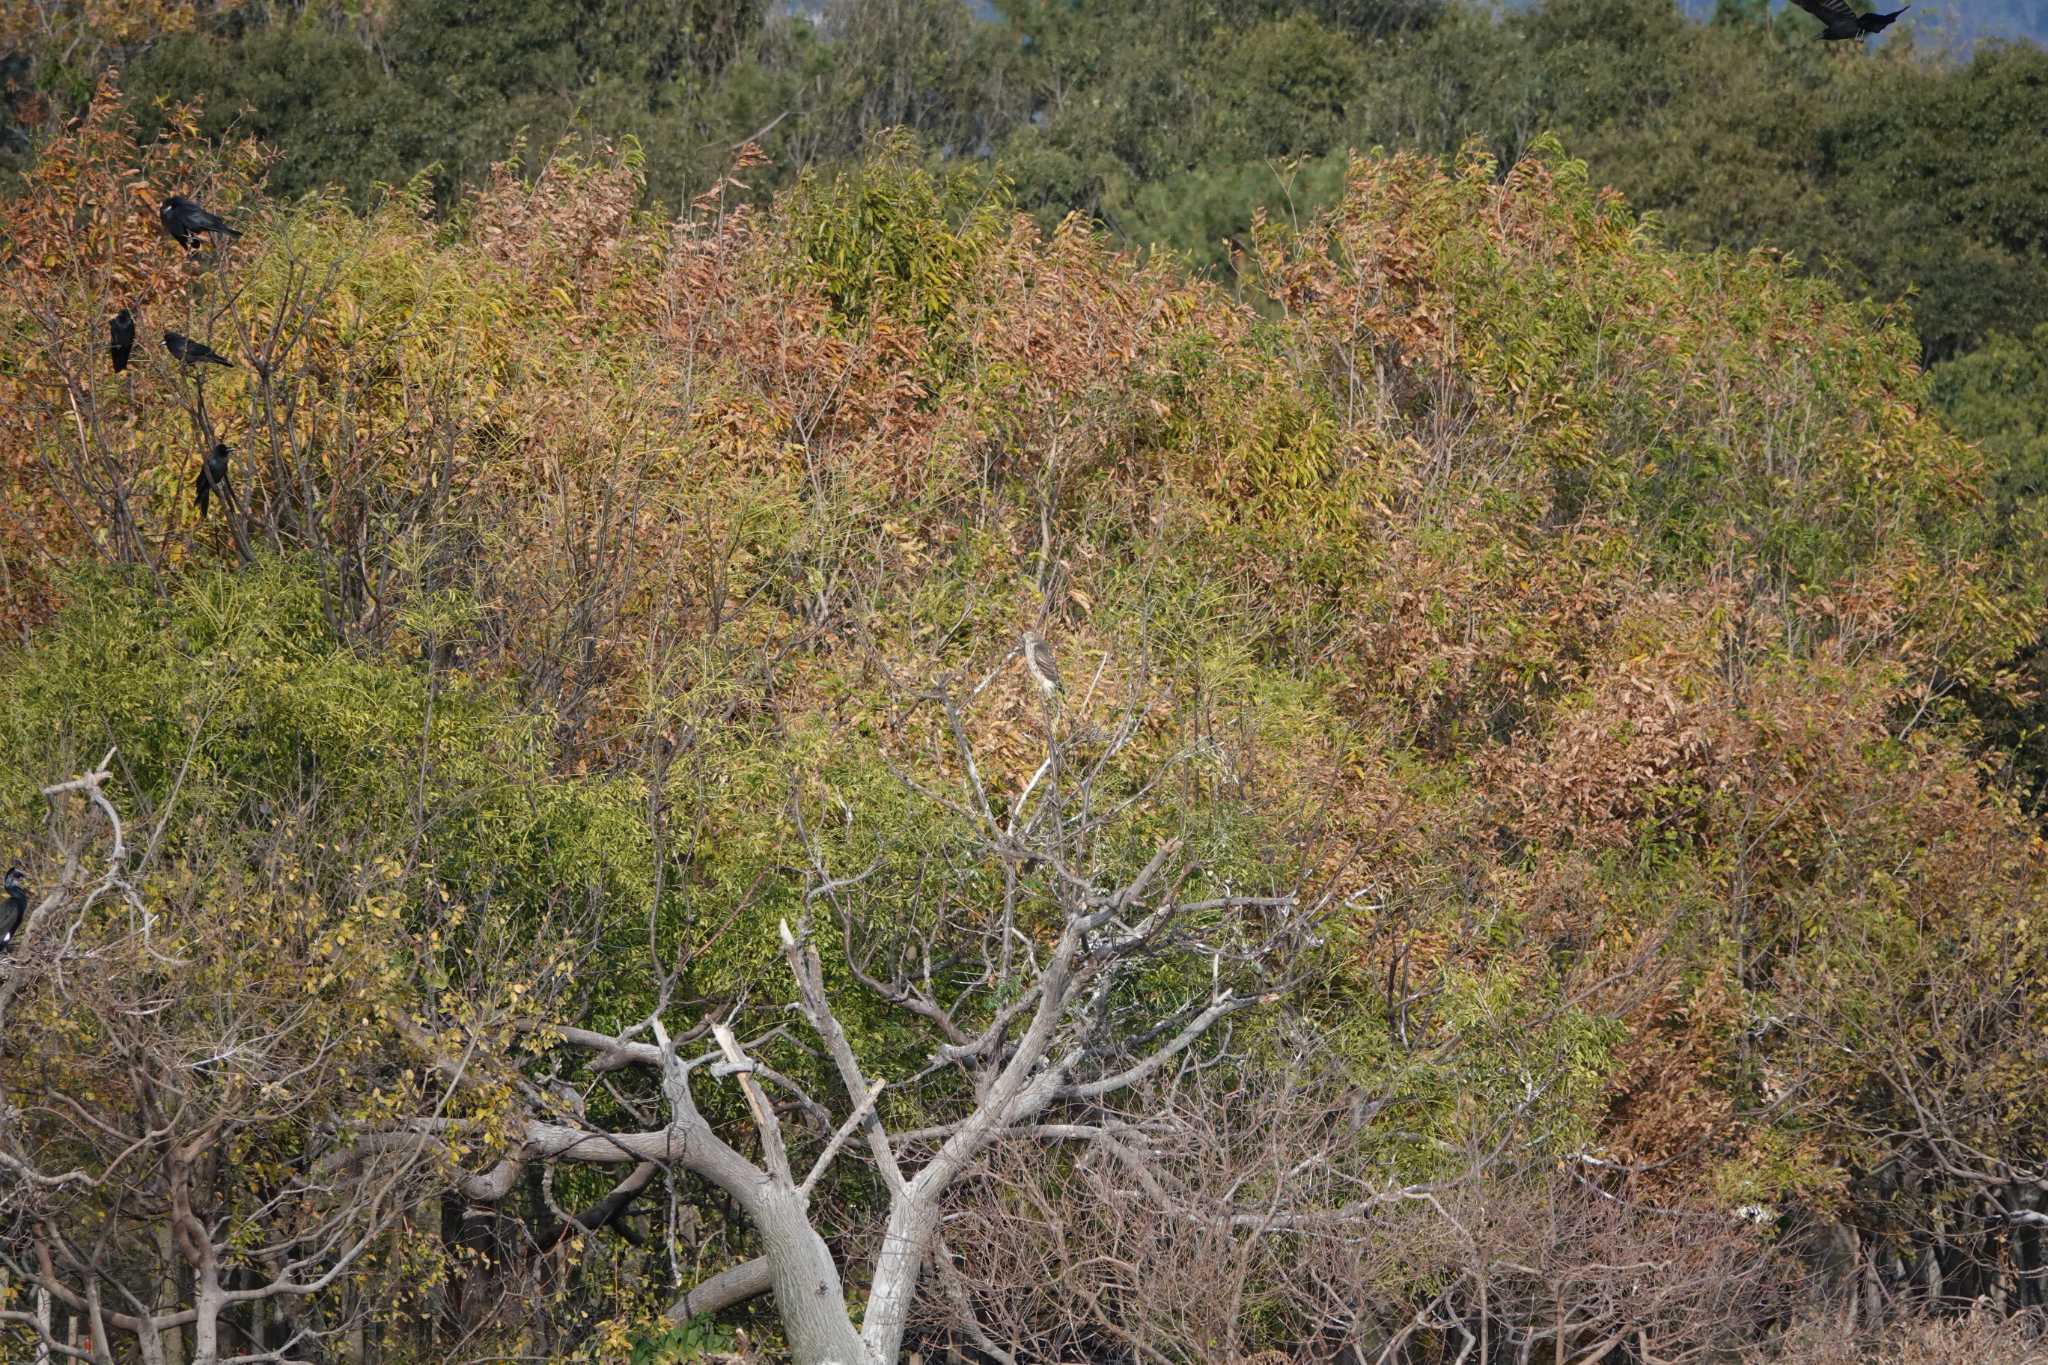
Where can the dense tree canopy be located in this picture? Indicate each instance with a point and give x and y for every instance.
(1535, 853)
(1900, 171)
(1517, 801)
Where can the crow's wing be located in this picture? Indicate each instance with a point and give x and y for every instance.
(194, 352)
(1829, 12)
(193, 218)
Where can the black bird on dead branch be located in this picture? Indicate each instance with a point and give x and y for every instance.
(121, 339)
(213, 474)
(1839, 21)
(13, 909)
(184, 221)
(186, 351)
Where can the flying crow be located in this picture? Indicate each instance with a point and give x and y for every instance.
(213, 474)
(186, 351)
(1839, 21)
(13, 909)
(1039, 662)
(184, 221)
(121, 339)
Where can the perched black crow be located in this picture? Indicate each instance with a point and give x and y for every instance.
(121, 339)
(1839, 21)
(186, 351)
(13, 909)
(213, 474)
(184, 220)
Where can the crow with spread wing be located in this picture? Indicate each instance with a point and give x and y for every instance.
(1839, 21)
(185, 222)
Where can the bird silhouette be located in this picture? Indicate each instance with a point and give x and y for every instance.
(186, 351)
(13, 909)
(184, 221)
(1839, 21)
(121, 339)
(213, 473)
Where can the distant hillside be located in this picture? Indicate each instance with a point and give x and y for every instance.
(1906, 172)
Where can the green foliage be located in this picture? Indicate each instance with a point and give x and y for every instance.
(230, 701)
(311, 85)
(1765, 143)
(693, 1340)
(1992, 397)
(897, 239)
(365, 100)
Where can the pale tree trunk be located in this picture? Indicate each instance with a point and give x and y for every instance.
(809, 1297)
(150, 1345)
(171, 1343)
(913, 1224)
(206, 1305)
(96, 1336)
(808, 1294)
(735, 1284)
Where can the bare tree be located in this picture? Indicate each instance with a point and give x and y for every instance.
(179, 1162)
(1053, 962)
(1252, 1209)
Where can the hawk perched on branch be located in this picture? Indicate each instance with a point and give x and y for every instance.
(1038, 661)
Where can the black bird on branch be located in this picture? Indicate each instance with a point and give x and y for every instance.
(1839, 21)
(186, 351)
(13, 909)
(184, 221)
(121, 339)
(213, 474)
